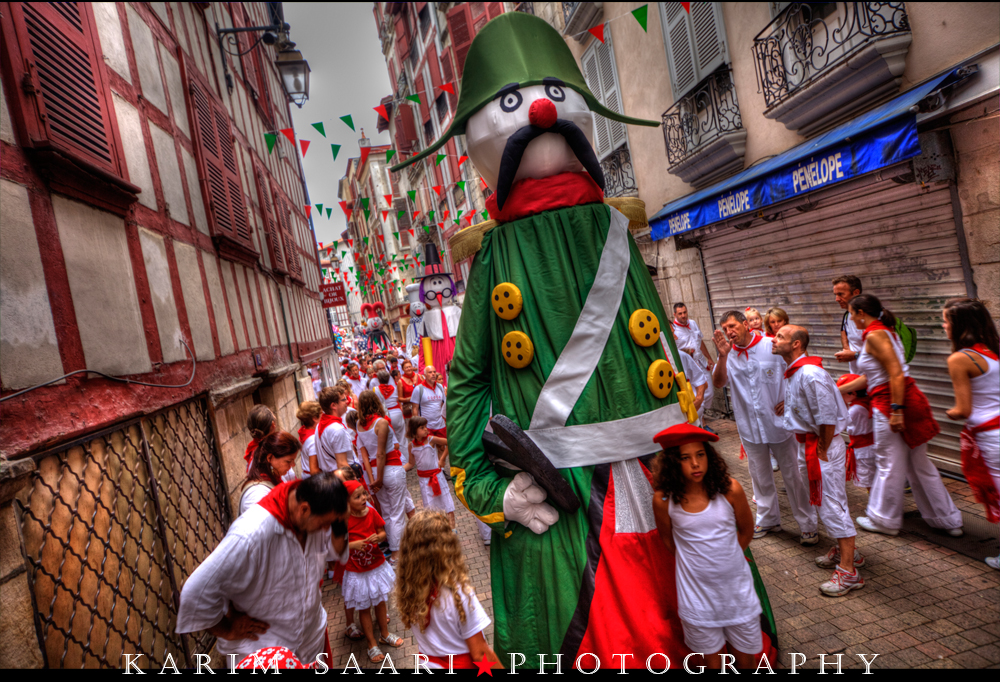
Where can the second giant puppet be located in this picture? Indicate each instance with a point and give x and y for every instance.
(378, 341)
(561, 332)
(441, 318)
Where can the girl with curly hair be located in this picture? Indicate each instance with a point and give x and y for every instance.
(703, 517)
(435, 597)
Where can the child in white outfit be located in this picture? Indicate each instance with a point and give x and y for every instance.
(428, 461)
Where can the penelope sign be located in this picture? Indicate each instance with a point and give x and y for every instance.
(333, 294)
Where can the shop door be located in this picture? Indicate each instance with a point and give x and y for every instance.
(900, 239)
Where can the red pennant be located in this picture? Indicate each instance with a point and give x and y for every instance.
(305, 146)
(384, 214)
(598, 31)
(290, 134)
(470, 218)
(686, 6)
(441, 226)
(437, 188)
(462, 159)
(308, 211)
(347, 211)
(445, 216)
(350, 242)
(411, 232)
(448, 87)
(382, 112)
(381, 238)
(365, 151)
(483, 183)
(388, 199)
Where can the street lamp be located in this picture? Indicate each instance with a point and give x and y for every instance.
(294, 72)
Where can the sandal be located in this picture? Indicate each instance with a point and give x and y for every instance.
(391, 640)
(373, 652)
(354, 633)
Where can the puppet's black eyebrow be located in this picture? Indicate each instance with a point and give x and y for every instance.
(510, 87)
(549, 80)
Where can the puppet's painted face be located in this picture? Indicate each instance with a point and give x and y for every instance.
(374, 323)
(417, 309)
(489, 130)
(437, 291)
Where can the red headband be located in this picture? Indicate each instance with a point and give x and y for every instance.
(352, 486)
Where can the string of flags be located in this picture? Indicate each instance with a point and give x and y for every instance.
(640, 14)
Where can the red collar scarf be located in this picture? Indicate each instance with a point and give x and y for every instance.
(325, 420)
(370, 422)
(534, 195)
(276, 503)
(386, 390)
(423, 382)
(251, 448)
(864, 402)
(802, 362)
(875, 326)
(421, 443)
(984, 351)
(745, 350)
(678, 324)
(304, 433)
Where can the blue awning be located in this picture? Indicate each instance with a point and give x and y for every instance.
(877, 139)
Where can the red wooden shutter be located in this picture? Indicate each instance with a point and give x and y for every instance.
(426, 97)
(246, 41)
(435, 68)
(406, 130)
(218, 158)
(270, 225)
(402, 39)
(452, 152)
(494, 9)
(292, 262)
(55, 57)
(460, 27)
(449, 77)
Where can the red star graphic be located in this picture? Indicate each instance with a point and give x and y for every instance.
(484, 666)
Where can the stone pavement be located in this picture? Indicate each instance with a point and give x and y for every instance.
(923, 606)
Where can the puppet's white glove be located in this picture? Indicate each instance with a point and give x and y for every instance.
(524, 502)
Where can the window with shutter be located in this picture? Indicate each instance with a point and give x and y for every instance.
(270, 224)
(601, 75)
(695, 43)
(292, 262)
(63, 103)
(460, 28)
(402, 38)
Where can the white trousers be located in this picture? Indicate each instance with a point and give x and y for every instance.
(398, 425)
(762, 477)
(833, 512)
(392, 498)
(989, 447)
(484, 531)
(896, 463)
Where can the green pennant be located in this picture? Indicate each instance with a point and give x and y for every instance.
(367, 213)
(430, 215)
(439, 159)
(271, 140)
(320, 128)
(319, 207)
(396, 235)
(486, 215)
(366, 244)
(336, 150)
(427, 229)
(458, 215)
(400, 214)
(364, 203)
(342, 254)
(640, 15)
(329, 211)
(348, 120)
(414, 98)
(412, 194)
(389, 154)
(461, 185)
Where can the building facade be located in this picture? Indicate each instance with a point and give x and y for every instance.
(159, 278)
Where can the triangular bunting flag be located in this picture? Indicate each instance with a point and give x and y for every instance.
(384, 214)
(437, 188)
(320, 128)
(348, 120)
(414, 98)
(483, 183)
(343, 207)
(364, 203)
(342, 254)
(319, 207)
(329, 211)
(367, 213)
(430, 216)
(350, 242)
(396, 235)
(462, 159)
(381, 238)
(427, 229)
(486, 215)
(597, 32)
(445, 216)
(389, 154)
(335, 148)
(458, 215)
(461, 185)
(365, 151)
(308, 211)
(686, 6)
(640, 15)
(439, 159)
(382, 112)
(412, 234)
(366, 244)
(290, 134)
(305, 146)
(271, 140)
(388, 199)
(415, 214)
(447, 87)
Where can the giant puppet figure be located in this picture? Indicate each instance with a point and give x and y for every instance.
(415, 330)
(440, 323)
(562, 333)
(378, 341)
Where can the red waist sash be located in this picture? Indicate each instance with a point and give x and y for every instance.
(393, 458)
(432, 474)
(920, 425)
(811, 441)
(862, 441)
(975, 469)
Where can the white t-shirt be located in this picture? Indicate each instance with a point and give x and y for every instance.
(446, 634)
(756, 378)
(860, 421)
(854, 340)
(253, 494)
(430, 403)
(336, 438)
(688, 337)
(813, 399)
(308, 448)
(357, 385)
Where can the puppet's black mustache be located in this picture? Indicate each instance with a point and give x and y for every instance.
(516, 144)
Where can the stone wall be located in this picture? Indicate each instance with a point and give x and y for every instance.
(18, 640)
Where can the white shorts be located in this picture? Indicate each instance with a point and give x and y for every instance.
(744, 637)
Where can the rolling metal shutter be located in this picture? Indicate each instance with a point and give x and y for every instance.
(900, 239)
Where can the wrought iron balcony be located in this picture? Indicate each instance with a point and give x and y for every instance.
(619, 178)
(817, 62)
(402, 86)
(703, 131)
(579, 16)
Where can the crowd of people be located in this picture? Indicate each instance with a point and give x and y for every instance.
(349, 516)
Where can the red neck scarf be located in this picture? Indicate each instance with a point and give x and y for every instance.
(534, 195)
(276, 502)
(984, 351)
(421, 443)
(386, 390)
(875, 326)
(686, 326)
(745, 350)
(304, 433)
(423, 382)
(248, 454)
(802, 362)
(325, 420)
(371, 421)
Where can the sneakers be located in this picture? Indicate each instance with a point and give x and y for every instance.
(761, 531)
(809, 539)
(993, 561)
(867, 524)
(774, 463)
(842, 582)
(832, 558)
(956, 532)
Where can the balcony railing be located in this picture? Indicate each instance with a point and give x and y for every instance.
(579, 16)
(619, 178)
(701, 117)
(402, 86)
(806, 40)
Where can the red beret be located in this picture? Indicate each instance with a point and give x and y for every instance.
(352, 486)
(847, 377)
(681, 434)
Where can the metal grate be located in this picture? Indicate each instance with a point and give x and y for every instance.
(112, 526)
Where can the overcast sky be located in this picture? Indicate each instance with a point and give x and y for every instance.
(340, 42)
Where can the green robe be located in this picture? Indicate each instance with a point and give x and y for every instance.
(553, 259)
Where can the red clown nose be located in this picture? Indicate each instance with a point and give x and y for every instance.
(542, 113)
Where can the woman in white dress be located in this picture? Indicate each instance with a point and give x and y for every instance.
(272, 459)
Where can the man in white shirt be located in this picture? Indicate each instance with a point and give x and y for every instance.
(354, 378)
(333, 440)
(815, 411)
(428, 402)
(755, 378)
(689, 338)
(845, 288)
(701, 382)
(291, 533)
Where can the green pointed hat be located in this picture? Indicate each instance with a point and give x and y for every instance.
(516, 48)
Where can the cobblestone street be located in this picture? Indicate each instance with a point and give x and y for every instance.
(923, 606)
